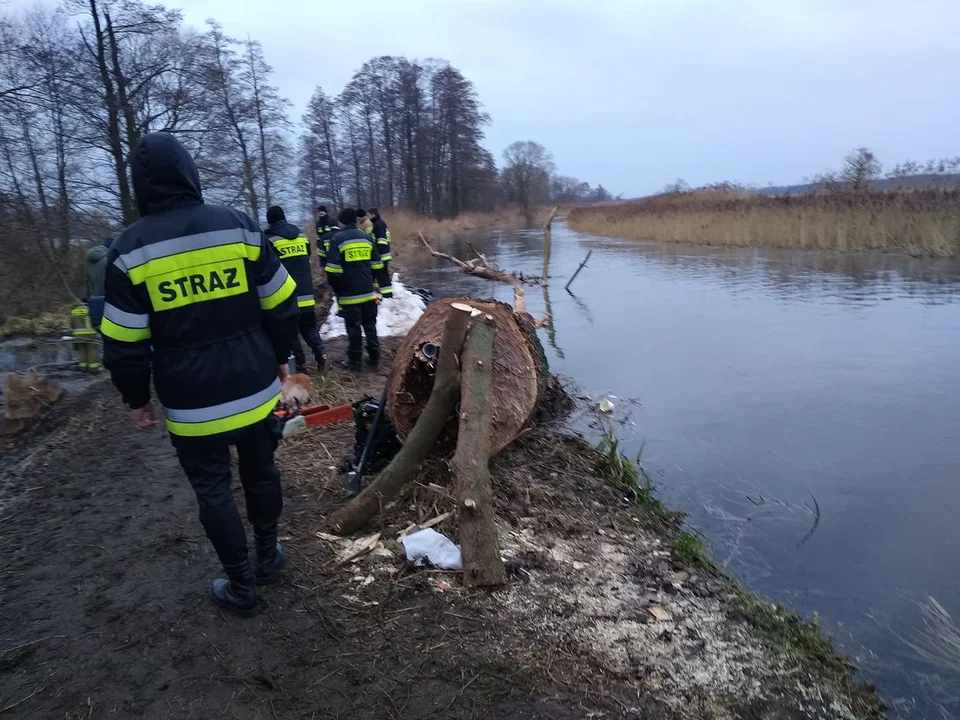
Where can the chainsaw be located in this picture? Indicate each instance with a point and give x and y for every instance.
(299, 419)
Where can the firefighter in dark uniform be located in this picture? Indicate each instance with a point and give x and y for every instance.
(352, 264)
(381, 236)
(323, 243)
(325, 223)
(197, 298)
(294, 249)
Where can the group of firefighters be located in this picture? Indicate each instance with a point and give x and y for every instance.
(205, 307)
(358, 273)
(355, 254)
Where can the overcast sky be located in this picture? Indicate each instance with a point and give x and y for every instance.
(636, 93)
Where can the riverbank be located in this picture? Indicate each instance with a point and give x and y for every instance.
(610, 612)
(920, 223)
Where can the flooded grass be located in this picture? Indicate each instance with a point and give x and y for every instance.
(922, 222)
(628, 474)
(52, 322)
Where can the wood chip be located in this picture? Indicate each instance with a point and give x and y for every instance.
(358, 549)
(659, 613)
(330, 538)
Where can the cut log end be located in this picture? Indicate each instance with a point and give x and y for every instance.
(518, 368)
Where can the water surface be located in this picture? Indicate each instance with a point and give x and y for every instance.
(776, 387)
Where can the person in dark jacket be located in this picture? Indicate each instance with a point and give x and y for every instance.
(352, 261)
(96, 278)
(294, 249)
(381, 236)
(197, 298)
(325, 223)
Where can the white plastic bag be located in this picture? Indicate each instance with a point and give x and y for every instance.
(433, 547)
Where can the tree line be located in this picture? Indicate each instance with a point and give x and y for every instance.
(80, 85)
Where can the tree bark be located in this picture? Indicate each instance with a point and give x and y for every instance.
(416, 447)
(479, 543)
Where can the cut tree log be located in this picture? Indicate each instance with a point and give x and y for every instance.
(481, 267)
(479, 543)
(519, 369)
(423, 435)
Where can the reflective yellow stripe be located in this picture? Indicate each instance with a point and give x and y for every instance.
(376, 266)
(386, 258)
(192, 259)
(336, 269)
(288, 288)
(386, 291)
(306, 303)
(124, 334)
(356, 299)
(81, 311)
(233, 422)
(84, 332)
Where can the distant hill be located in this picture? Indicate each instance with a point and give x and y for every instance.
(905, 182)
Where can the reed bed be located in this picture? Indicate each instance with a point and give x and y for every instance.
(922, 222)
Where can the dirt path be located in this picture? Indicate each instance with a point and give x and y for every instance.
(104, 613)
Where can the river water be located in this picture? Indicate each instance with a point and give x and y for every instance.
(802, 408)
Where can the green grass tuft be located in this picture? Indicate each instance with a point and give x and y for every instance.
(689, 549)
(627, 474)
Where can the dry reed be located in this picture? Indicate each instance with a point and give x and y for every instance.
(923, 222)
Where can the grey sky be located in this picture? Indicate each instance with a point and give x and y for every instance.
(634, 94)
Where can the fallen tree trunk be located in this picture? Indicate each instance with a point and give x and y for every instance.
(519, 370)
(479, 543)
(431, 422)
(480, 267)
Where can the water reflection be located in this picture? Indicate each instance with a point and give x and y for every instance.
(778, 388)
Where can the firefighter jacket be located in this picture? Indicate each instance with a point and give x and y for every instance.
(294, 250)
(353, 264)
(196, 296)
(381, 236)
(326, 224)
(323, 243)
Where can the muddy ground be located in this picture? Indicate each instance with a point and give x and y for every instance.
(105, 613)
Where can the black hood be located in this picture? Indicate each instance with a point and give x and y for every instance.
(164, 174)
(288, 231)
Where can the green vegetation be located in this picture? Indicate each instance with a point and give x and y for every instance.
(53, 322)
(689, 550)
(627, 474)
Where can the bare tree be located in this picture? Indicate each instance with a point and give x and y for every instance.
(270, 114)
(320, 164)
(860, 169)
(527, 174)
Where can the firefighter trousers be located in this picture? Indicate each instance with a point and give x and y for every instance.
(311, 336)
(361, 320)
(206, 461)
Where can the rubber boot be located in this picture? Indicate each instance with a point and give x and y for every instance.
(373, 358)
(321, 363)
(238, 591)
(352, 366)
(271, 558)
